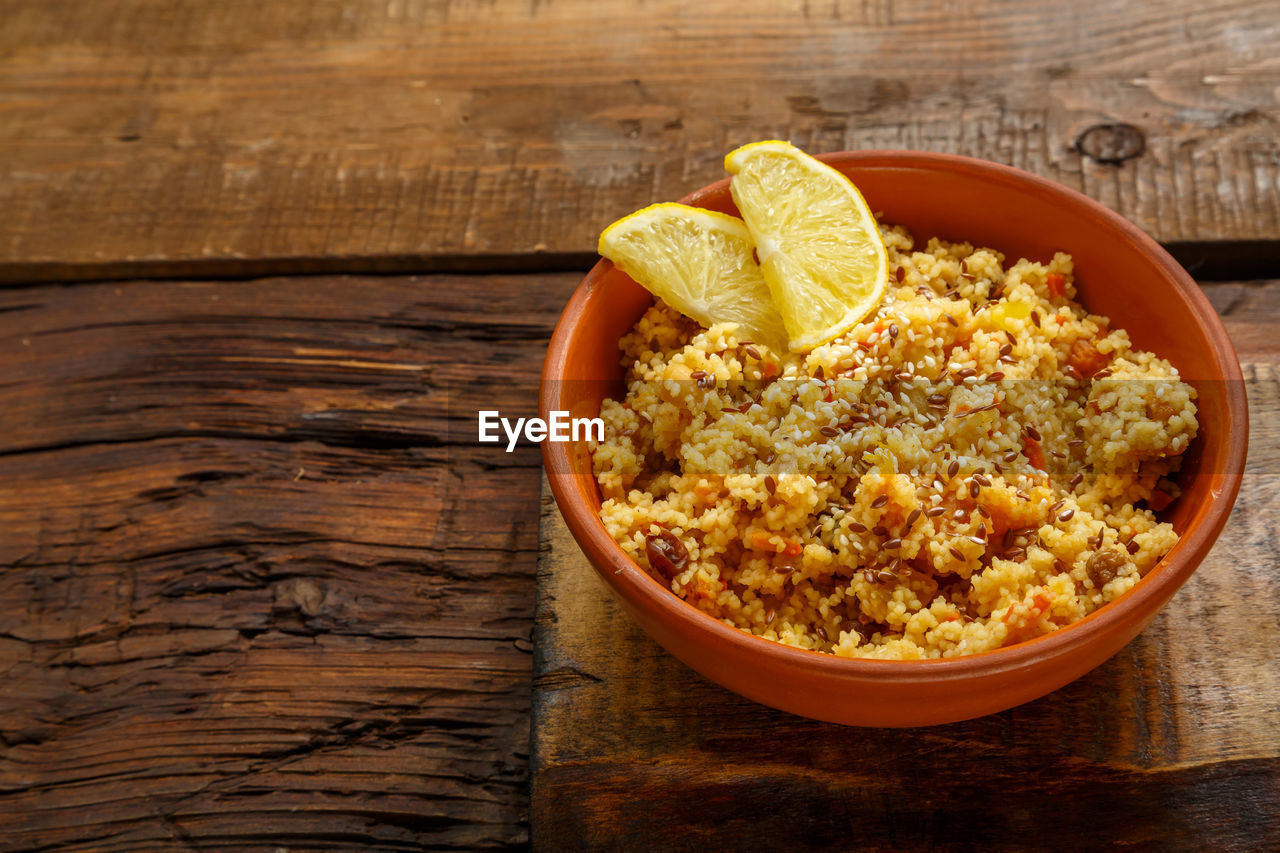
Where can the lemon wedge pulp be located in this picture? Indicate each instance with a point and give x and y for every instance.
(820, 249)
(699, 262)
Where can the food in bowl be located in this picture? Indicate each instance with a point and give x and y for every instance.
(976, 462)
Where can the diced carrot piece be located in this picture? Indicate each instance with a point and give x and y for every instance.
(1057, 284)
(762, 540)
(1031, 449)
(1037, 606)
(1159, 500)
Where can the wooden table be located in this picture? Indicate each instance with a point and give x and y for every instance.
(260, 588)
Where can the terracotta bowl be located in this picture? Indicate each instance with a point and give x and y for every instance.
(1121, 272)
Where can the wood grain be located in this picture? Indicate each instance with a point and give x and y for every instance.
(1174, 744)
(259, 587)
(140, 137)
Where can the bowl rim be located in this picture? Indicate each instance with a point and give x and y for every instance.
(1161, 582)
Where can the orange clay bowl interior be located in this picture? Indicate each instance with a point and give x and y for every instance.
(1121, 273)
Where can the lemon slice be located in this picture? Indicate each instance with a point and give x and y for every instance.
(700, 263)
(819, 247)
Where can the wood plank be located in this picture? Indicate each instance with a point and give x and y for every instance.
(232, 136)
(257, 591)
(1174, 744)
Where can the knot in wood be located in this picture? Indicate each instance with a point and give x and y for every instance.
(1111, 143)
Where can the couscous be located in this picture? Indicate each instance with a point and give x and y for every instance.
(974, 464)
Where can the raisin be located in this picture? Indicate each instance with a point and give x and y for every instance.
(667, 554)
(1104, 565)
